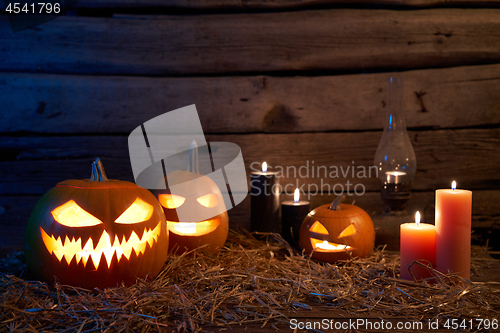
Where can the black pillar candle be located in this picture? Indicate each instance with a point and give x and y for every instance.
(293, 214)
(265, 200)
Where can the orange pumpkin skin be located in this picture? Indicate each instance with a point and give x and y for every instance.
(335, 222)
(195, 186)
(106, 201)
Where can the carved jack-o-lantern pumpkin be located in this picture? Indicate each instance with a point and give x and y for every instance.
(195, 212)
(337, 232)
(96, 233)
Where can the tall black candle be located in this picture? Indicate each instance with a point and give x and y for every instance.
(293, 214)
(265, 200)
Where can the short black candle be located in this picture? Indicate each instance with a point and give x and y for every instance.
(292, 215)
(265, 200)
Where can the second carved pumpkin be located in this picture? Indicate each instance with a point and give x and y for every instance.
(337, 231)
(195, 211)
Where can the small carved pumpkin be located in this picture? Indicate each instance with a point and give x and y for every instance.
(337, 232)
(195, 212)
(96, 233)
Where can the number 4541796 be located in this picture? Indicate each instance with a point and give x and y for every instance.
(472, 324)
(34, 8)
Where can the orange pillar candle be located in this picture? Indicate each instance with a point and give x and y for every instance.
(418, 243)
(453, 230)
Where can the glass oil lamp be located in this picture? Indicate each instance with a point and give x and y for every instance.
(395, 158)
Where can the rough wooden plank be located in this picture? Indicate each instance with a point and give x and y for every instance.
(281, 4)
(437, 98)
(14, 212)
(324, 40)
(471, 156)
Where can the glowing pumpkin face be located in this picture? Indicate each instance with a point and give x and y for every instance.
(337, 232)
(196, 214)
(96, 233)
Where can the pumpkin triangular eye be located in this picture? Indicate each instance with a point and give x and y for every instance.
(350, 230)
(319, 228)
(171, 201)
(72, 215)
(210, 200)
(137, 212)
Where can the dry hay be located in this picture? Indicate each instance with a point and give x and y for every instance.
(248, 281)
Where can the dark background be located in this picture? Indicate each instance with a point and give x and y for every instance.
(287, 80)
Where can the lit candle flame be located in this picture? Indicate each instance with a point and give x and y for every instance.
(264, 167)
(417, 217)
(394, 176)
(453, 185)
(296, 195)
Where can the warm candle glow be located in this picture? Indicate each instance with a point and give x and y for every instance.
(185, 227)
(264, 167)
(417, 217)
(327, 246)
(296, 195)
(453, 185)
(395, 173)
(193, 228)
(393, 177)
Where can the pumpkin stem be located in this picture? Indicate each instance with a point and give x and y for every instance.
(98, 174)
(193, 158)
(336, 203)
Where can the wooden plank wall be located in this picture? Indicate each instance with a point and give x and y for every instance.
(290, 81)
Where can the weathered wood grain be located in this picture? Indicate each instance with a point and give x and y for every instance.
(32, 165)
(437, 98)
(324, 40)
(14, 212)
(281, 4)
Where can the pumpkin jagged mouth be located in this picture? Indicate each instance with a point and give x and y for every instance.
(326, 246)
(72, 248)
(193, 228)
